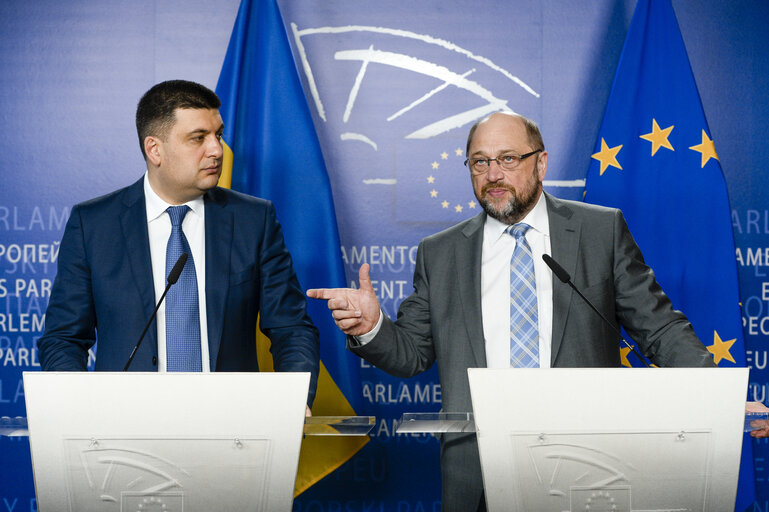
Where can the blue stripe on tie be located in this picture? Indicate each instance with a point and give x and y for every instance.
(524, 328)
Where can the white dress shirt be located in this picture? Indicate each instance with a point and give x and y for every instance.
(497, 252)
(159, 228)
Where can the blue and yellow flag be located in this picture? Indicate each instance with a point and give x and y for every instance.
(656, 160)
(273, 152)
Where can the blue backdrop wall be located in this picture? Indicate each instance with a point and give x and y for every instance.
(393, 87)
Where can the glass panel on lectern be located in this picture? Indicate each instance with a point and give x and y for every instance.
(13, 427)
(623, 471)
(760, 419)
(435, 422)
(166, 475)
(338, 425)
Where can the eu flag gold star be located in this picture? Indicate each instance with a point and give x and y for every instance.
(458, 208)
(444, 156)
(431, 179)
(658, 137)
(433, 193)
(707, 148)
(458, 151)
(435, 165)
(720, 349)
(607, 156)
(445, 204)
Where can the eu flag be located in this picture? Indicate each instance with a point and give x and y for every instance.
(655, 159)
(274, 153)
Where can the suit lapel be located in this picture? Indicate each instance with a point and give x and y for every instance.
(133, 223)
(564, 245)
(468, 256)
(219, 232)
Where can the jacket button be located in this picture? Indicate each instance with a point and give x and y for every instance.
(154, 361)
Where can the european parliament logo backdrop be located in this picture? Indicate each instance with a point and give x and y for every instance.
(391, 90)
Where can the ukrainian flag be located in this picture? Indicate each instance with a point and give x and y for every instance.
(272, 151)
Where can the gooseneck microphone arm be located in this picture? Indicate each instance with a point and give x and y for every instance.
(564, 277)
(173, 276)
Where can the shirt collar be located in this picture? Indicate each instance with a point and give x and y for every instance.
(157, 206)
(536, 218)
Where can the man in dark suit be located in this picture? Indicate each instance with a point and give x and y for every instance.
(117, 252)
(481, 286)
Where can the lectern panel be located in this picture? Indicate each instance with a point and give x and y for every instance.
(613, 439)
(168, 475)
(611, 470)
(150, 442)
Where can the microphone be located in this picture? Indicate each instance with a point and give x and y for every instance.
(564, 277)
(173, 276)
(176, 271)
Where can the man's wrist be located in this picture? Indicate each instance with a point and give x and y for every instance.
(365, 338)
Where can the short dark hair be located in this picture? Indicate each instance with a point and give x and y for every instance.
(532, 131)
(155, 113)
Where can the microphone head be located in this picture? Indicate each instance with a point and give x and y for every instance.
(558, 270)
(173, 276)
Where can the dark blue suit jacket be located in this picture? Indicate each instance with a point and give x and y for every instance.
(104, 285)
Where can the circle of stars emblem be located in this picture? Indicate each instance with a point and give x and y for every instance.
(152, 503)
(436, 169)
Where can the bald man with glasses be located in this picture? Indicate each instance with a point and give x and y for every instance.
(484, 298)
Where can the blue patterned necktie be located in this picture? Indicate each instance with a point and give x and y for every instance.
(524, 331)
(182, 312)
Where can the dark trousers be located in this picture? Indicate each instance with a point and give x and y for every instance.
(482, 504)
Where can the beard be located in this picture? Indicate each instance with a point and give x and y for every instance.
(518, 205)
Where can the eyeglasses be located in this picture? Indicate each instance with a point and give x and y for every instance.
(507, 162)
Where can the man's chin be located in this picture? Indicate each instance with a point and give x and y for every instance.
(504, 213)
(497, 206)
(210, 181)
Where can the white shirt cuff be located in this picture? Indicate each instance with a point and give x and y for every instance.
(365, 338)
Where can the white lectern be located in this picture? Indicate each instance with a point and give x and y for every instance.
(666, 439)
(165, 442)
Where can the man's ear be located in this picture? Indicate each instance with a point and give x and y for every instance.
(542, 165)
(152, 148)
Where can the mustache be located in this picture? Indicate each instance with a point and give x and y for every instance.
(490, 186)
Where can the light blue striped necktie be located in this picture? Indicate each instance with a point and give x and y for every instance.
(183, 352)
(524, 330)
